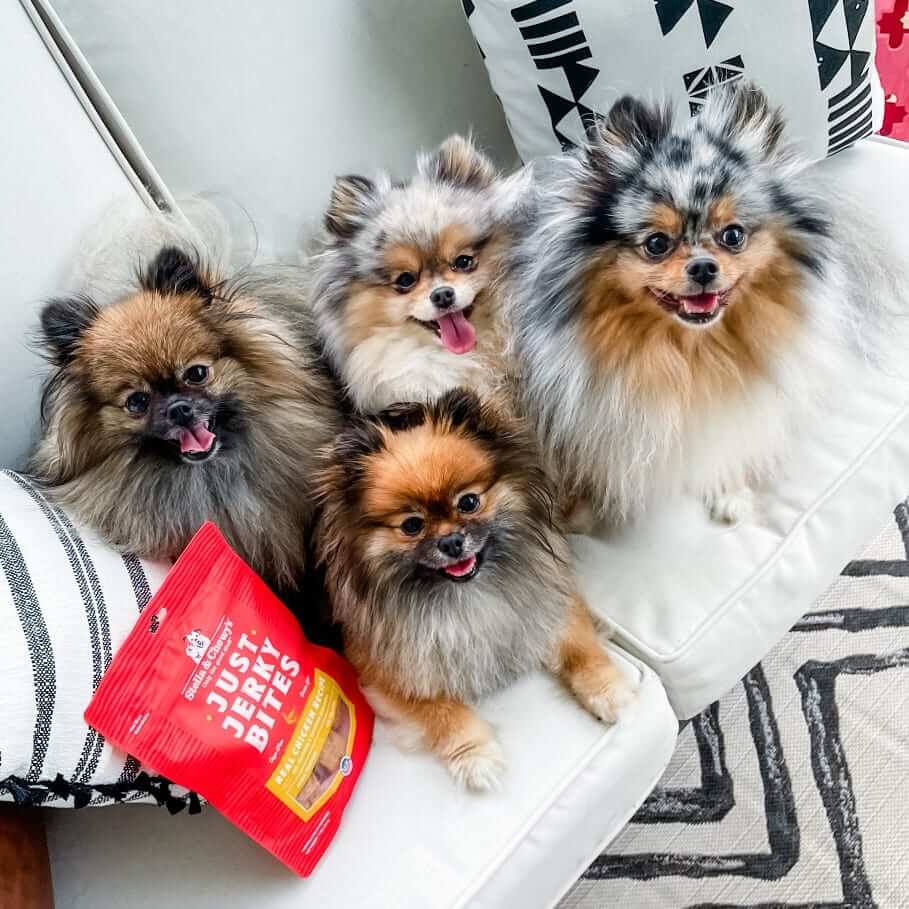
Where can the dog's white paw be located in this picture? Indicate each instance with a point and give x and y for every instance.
(478, 766)
(608, 704)
(732, 507)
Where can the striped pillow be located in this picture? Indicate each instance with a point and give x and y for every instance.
(67, 601)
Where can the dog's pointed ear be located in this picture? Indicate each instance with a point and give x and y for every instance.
(63, 322)
(742, 114)
(361, 438)
(464, 408)
(174, 271)
(458, 161)
(352, 197)
(631, 122)
(401, 417)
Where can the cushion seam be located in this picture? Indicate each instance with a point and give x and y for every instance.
(585, 863)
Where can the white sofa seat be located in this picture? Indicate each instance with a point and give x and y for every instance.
(410, 838)
(701, 603)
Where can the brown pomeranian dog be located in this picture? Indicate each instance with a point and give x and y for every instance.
(449, 578)
(190, 399)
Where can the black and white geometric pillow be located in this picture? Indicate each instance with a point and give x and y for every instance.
(67, 602)
(555, 63)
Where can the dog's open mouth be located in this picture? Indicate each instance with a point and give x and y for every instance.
(197, 442)
(454, 330)
(464, 570)
(694, 309)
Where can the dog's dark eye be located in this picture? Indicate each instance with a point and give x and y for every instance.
(412, 526)
(196, 375)
(468, 503)
(405, 280)
(137, 402)
(733, 236)
(464, 263)
(657, 245)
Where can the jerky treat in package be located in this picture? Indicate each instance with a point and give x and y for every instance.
(217, 689)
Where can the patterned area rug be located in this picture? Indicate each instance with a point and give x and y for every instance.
(793, 790)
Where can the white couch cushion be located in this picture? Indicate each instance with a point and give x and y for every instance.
(410, 839)
(702, 603)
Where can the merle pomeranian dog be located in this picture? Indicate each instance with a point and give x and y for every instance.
(405, 287)
(682, 298)
(188, 398)
(449, 577)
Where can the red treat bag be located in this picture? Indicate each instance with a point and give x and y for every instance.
(217, 689)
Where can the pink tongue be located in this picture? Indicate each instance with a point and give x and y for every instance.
(458, 334)
(700, 303)
(459, 569)
(196, 438)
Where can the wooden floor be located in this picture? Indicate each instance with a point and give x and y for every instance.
(25, 879)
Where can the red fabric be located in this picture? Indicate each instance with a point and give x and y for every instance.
(893, 65)
(217, 689)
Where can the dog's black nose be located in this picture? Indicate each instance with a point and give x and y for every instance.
(452, 545)
(443, 297)
(703, 270)
(180, 412)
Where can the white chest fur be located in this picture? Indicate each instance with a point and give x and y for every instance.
(409, 364)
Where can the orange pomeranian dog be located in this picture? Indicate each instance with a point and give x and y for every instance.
(449, 577)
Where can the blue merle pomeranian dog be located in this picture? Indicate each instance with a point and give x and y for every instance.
(405, 288)
(682, 297)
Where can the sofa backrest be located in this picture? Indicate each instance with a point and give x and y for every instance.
(57, 175)
(268, 102)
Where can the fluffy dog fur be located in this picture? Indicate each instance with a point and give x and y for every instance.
(643, 382)
(431, 628)
(445, 231)
(140, 477)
